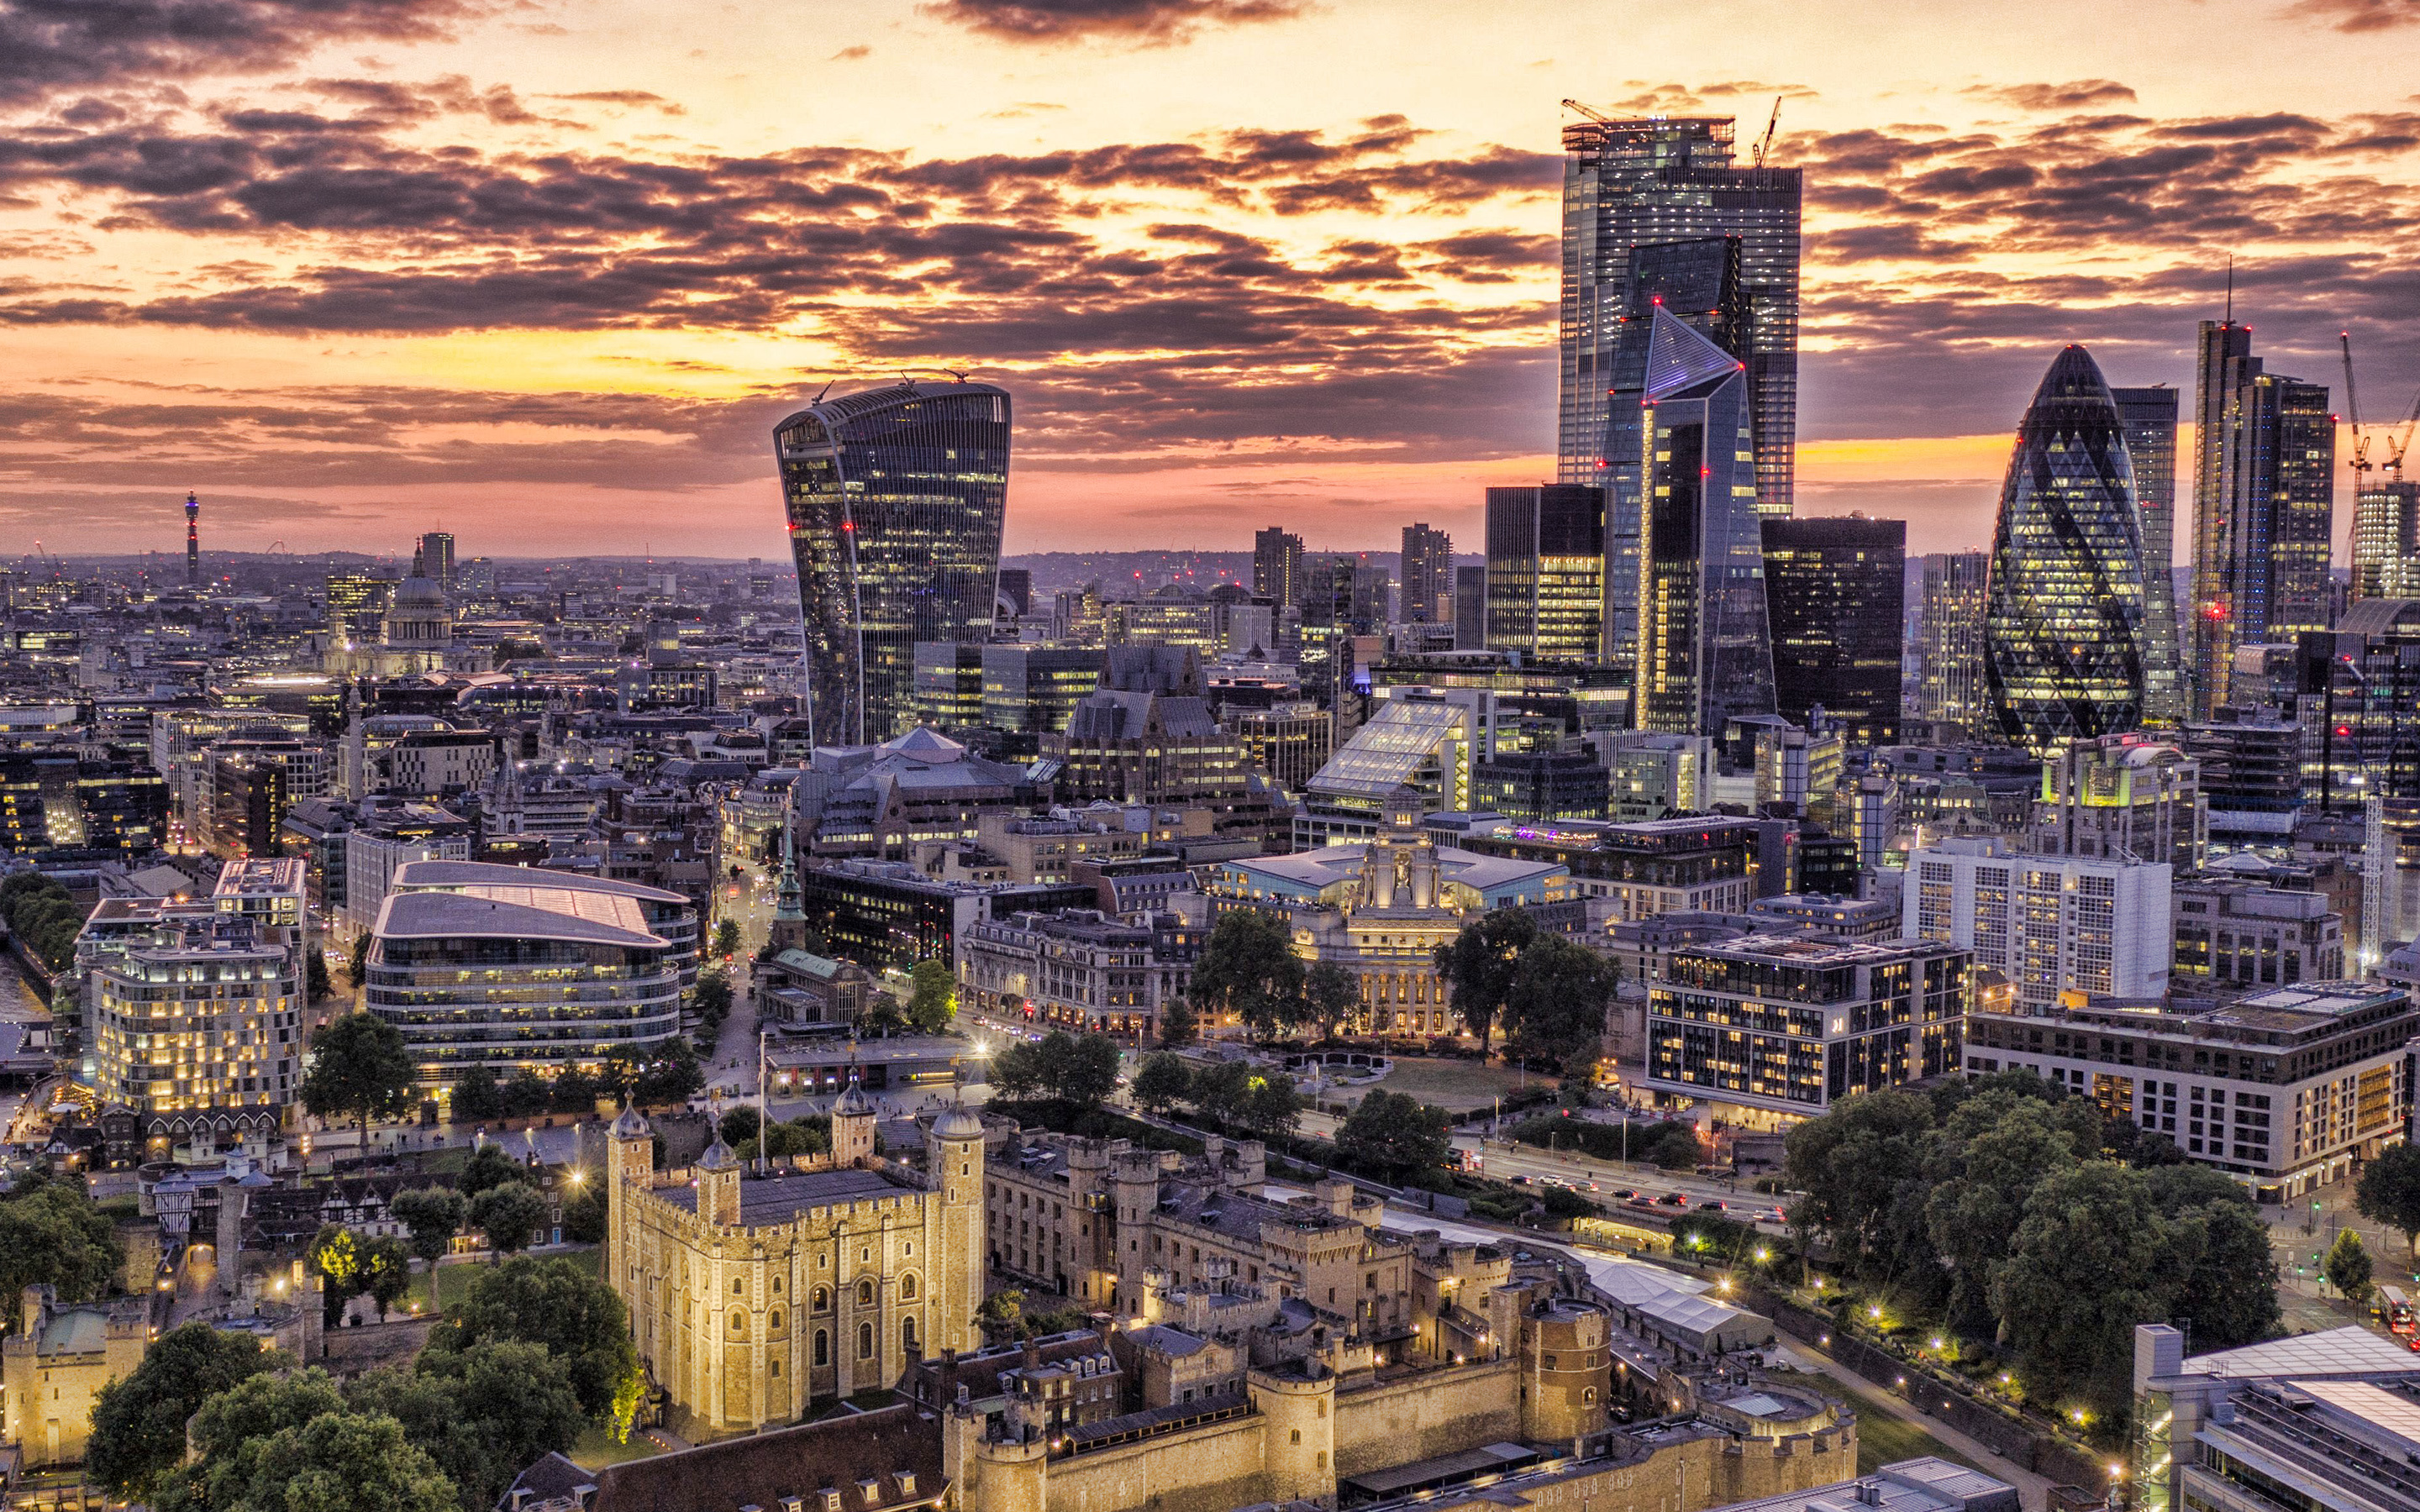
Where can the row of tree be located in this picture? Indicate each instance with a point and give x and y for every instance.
(1546, 993)
(362, 1071)
(41, 913)
(1994, 1203)
(1230, 1093)
(535, 1354)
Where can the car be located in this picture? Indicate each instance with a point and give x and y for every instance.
(1773, 1215)
(1648, 1203)
(1714, 1205)
(1622, 1194)
(1591, 1185)
(1672, 1199)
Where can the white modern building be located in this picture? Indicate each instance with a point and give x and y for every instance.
(2070, 928)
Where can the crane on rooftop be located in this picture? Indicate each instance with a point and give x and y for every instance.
(2397, 440)
(1764, 143)
(2352, 417)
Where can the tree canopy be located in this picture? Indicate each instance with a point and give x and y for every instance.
(553, 1303)
(934, 1001)
(2389, 1191)
(1162, 1081)
(138, 1422)
(1082, 1069)
(1481, 963)
(51, 1235)
(1394, 1136)
(1249, 968)
(1554, 1010)
(360, 1069)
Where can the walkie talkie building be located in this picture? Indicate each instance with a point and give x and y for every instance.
(2063, 633)
(895, 498)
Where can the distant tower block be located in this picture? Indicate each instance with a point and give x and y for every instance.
(193, 541)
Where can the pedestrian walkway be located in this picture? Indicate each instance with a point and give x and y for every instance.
(2032, 1488)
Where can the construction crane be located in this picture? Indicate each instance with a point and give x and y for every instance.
(2397, 440)
(2352, 417)
(1597, 116)
(1764, 143)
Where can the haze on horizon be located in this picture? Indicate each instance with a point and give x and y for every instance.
(545, 272)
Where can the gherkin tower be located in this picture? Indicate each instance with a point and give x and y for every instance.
(2063, 631)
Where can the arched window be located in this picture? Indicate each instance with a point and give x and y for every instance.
(773, 1323)
(822, 1301)
(823, 1348)
(866, 1341)
(738, 1324)
(1298, 1436)
(908, 1334)
(1587, 1393)
(908, 1287)
(865, 1293)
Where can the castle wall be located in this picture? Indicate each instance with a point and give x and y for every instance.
(1435, 1412)
(1212, 1469)
(1696, 1474)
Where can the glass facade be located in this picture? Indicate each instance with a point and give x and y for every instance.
(2264, 508)
(1628, 185)
(2386, 540)
(1953, 638)
(2063, 632)
(1545, 571)
(2149, 418)
(1835, 589)
(895, 498)
(1427, 573)
(1704, 656)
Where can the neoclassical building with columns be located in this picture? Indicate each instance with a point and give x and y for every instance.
(753, 1296)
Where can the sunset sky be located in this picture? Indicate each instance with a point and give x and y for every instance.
(545, 272)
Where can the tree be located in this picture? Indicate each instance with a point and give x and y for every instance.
(726, 937)
(358, 1461)
(1394, 1136)
(574, 1090)
(483, 1414)
(1178, 1024)
(360, 1069)
(509, 1215)
(1480, 965)
(490, 1166)
(2347, 1266)
(712, 998)
(1673, 1147)
(526, 1095)
(1161, 1082)
(233, 1434)
(1272, 1106)
(1249, 968)
(553, 1303)
(1554, 1012)
(138, 1422)
(2087, 1263)
(740, 1124)
(2226, 1277)
(583, 1215)
(2389, 1192)
(477, 1099)
(1978, 1197)
(1002, 1316)
(314, 975)
(357, 960)
(336, 1254)
(1330, 994)
(1862, 1166)
(1222, 1092)
(1083, 1067)
(1016, 1072)
(386, 1272)
(935, 1000)
(51, 1235)
(434, 1215)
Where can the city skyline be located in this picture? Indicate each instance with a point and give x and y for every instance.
(433, 262)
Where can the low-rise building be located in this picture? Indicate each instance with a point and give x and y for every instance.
(2241, 937)
(2057, 926)
(2284, 1089)
(1787, 1024)
(1655, 866)
(889, 914)
(1079, 969)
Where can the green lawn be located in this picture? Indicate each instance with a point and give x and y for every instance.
(454, 1280)
(1456, 1086)
(597, 1449)
(1884, 1438)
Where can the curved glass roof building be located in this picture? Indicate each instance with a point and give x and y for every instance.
(2063, 625)
(895, 498)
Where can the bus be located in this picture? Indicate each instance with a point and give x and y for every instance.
(2393, 1308)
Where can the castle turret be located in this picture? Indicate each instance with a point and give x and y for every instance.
(629, 1160)
(1298, 1446)
(1567, 1366)
(718, 1183)
(852, 1126)
(953, 1165)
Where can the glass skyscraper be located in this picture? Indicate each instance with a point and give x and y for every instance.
(1703, 652)
(1835, 589)
(2150, 418)
(1428, 572)
(1953, 639)
(1545, 571)
(2063, 629)
(895, 498)
(2264, 508)
(1628, 185)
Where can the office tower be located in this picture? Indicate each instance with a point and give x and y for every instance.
(2264, 507)
(895, 498)
(1277, 566)
(1015, 592)
(1428, 572)
(2051, 924)
(2148, 418)
(1035, 689)
(1835, 589)
(193, 541)
(950, 684)
(1545, 571)
(1470, 609)
(1703, 652)
(435, 559)
(1629, 184)
(2386, 539)
(2122, 795)
(1953, 638)
(1342, 595)
(357, 603)
(1698, 283)
(2063, 629)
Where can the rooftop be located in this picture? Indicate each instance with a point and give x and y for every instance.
(776, 1199)
(563, 914)
(449, 876)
